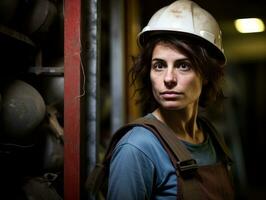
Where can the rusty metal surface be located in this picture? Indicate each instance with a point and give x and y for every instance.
(81, 82)
(72, 101)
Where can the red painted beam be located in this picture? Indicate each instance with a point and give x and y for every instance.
(72, 61)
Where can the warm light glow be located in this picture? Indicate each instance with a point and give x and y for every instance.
(249, 25)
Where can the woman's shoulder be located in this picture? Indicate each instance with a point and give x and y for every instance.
(142, 140)
(139, 137)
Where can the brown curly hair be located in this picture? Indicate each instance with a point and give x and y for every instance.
(202, 59)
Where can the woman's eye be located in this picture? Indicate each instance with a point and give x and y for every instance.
(184, 66)
(158, 66)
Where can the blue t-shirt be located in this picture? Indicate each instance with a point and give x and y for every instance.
(141, 169)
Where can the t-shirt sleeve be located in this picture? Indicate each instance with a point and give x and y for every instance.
(131, 174)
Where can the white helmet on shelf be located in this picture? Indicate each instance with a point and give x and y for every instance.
(184, 17)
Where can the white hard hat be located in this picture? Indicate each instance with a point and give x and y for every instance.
(184, 17)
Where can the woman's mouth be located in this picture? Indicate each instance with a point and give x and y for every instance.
(171, 94)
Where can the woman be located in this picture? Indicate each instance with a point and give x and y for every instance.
(180, 68)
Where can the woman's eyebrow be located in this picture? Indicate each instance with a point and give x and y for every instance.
(177, 60)
(182, 60)
(158, 59)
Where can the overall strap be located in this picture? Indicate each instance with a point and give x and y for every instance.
(177, 151)
(180, 157)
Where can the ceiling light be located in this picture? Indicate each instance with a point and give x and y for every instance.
(249, 25)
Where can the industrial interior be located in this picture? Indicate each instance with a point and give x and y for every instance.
(64, 90)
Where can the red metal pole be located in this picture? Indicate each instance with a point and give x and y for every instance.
(72, 61)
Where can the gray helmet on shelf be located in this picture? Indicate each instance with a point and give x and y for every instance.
(23, 109)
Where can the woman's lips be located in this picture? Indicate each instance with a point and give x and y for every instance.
(171, 94)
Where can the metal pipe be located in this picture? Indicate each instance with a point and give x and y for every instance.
(117, 64)
(91, 82)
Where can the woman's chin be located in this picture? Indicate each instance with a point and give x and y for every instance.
(171, 106)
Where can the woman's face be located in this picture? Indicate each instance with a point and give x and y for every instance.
(175, 83)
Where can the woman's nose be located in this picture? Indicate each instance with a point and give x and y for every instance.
(170, 79)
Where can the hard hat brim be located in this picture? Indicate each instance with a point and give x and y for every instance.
(213, 50)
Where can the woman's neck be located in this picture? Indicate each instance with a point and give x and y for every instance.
(182, 122)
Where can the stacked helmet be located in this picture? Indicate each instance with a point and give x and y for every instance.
(186, 18)
(23, 109)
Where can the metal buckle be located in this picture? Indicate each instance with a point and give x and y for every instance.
(186, 166)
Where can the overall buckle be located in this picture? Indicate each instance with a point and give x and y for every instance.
(187, 167)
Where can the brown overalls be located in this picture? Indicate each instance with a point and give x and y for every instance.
(211, 182)
(194, 182)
